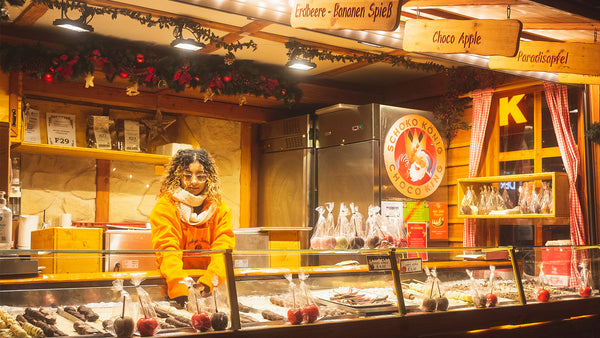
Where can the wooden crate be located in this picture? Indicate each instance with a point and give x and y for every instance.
(560, 192)
(68, 239)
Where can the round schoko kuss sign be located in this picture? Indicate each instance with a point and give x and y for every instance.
(414, 156)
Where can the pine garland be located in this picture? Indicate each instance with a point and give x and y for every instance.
(151, 66)
(297, 50)
(593, 132)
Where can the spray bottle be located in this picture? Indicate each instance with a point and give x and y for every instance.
(5, 223)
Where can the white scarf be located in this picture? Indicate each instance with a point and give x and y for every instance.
(185, 204)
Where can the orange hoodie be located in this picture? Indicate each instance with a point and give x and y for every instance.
(170, 233)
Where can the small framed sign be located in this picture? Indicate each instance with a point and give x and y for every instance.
(379, 263)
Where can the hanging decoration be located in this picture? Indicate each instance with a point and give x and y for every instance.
(89, 80)
(157, 128)
(298, 50)
(147, 19)
(151, 66)
(593, 132)
(451, 106)
(133, 90)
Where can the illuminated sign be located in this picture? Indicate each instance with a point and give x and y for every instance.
(511, 107)
(414, 156)
(347, 14)
(484, 37)
(557, 57)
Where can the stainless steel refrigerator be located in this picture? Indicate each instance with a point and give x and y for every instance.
(350, 168)
(286, 177)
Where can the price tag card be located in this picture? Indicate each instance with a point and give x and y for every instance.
(411, 265)
(131, 130)
(61, 129)
(32, 126)
(378, 263)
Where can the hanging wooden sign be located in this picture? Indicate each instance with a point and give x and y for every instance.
(484, 37)
(556, 57)
(579, 78)
(347, 14)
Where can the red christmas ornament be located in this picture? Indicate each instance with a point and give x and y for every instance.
(226, 78)
(48, 77)
(139, 58)
(123, 75)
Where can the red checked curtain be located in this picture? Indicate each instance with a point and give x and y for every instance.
(557, 99)
(482, 99)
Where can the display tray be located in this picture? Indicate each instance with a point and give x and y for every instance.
(360, 301)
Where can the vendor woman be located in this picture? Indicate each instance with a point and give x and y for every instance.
(190, 215)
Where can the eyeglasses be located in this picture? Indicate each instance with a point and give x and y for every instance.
(199, 177)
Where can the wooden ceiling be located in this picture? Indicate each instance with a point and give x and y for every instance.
(267, 23)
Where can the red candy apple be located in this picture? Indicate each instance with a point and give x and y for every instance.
(543, 295)
(201, 321)
(310, 313)
(147, 326)
(491, 300)
(295, 315)
(585, 291)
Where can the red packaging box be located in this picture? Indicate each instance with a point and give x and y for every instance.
(557, 265)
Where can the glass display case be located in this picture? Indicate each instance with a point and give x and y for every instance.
(298, 288)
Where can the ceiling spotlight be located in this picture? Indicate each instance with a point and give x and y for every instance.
(300, 64)
(187, 44)
(79, 25)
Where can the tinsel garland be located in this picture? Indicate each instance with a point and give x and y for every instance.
(149, 20)
(297, 50)
(151, 66)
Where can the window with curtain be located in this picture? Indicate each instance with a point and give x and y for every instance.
(531, 146)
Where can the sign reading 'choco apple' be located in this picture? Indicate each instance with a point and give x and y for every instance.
(345, 14)
(484, 37)
(557, 57)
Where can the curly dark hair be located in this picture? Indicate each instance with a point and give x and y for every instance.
(180, 162)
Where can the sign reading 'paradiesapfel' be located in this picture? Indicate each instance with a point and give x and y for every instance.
(345, 14)
(556, 57)
(484, 37)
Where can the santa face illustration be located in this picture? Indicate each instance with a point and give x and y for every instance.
(415, 156)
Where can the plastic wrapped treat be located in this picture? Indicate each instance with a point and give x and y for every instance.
(200, 319)
(428, 303)
(358, 231)
(373, 229)
(490, 297)
(343, 230)
(121, 324)
(294, 314)
(542, 293)
(147, 323)
(318, 236)
(585, 289)
(310, 310)
(479, 300)
(219, 320)
(329, 231)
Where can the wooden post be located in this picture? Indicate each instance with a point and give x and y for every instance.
(102, 190)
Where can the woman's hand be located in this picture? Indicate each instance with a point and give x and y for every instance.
(203, 288)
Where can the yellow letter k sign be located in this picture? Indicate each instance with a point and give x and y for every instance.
(511, 107)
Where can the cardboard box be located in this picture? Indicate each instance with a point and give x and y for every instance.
(68, 239)
(557, 265)
(170, 149)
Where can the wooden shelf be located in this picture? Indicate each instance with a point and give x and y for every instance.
(560, 193)
(115, 155)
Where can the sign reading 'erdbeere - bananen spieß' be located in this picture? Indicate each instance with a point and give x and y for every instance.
(345, 14)
(484, 37)
(556, 57)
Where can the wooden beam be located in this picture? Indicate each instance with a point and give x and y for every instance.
(252, 27)
(30, 15)
(74, 91)
(589, 26)
(450, 3)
